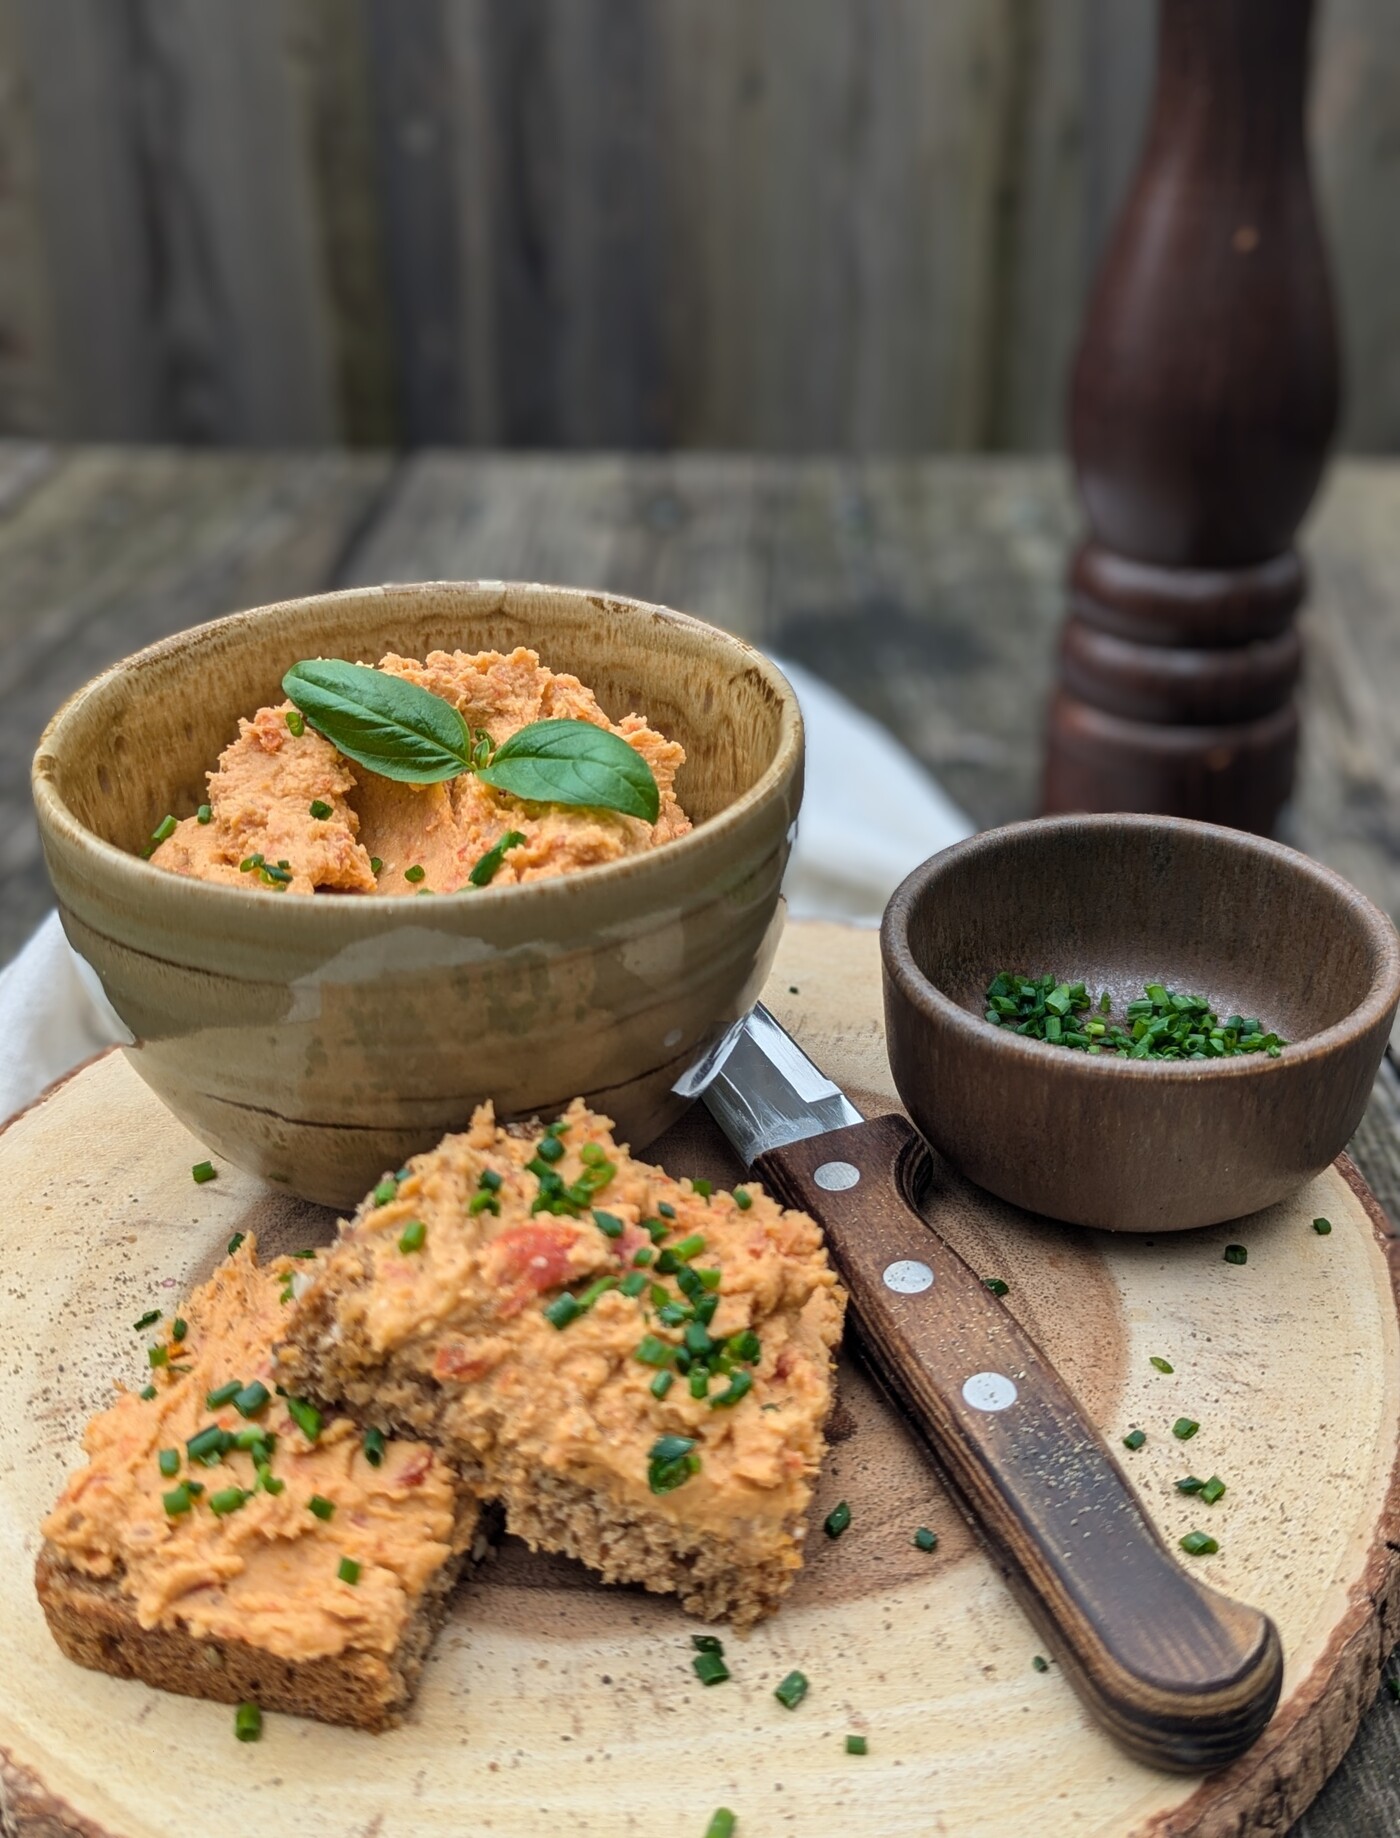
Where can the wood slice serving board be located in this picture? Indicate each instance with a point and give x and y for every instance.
(554, 1705)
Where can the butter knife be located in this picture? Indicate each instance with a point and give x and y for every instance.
(1183, 1677)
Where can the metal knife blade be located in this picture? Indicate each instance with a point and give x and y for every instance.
(764, 1092)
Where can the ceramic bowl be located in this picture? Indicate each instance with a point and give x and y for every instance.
(319, 1041)
(1117, 902)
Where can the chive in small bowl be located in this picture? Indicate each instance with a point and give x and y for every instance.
(1119, 902)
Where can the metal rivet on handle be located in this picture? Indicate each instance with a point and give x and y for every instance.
(908, 1277)
(989, 1391)
(836, 1177)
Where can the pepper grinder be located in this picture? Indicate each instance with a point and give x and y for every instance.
(1203, 399)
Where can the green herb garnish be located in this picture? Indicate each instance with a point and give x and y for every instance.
(348, 1570)
(321, 1506)
(247, 1723)
(1199, 1544)
(1212, 1490)
(671, 1463)
(925, 1539)
(320, 810)
(373, 1446)
(149, 1319)
(306, 1417)
(710, 1668)
(1322, 1227)
(228, 1500)
(235, 1243)
(722, 1823)
(414, 874)
(204, 1171)
(563, 1310)
(169, 1462)
(486, 869)
(1185, 1428)
(1190, 1483)
(177, 1501)
(1040, 1663)
(995, 1284)
(404, 732)
(1161, 1024)
(295, 722)
(1134, 1439)
(837, 1520)
(1236, 1254)
(792, 1690)
(1162, 1365)
(250, 1399)
(857, 1745)
(205, 814)
(412, 1236)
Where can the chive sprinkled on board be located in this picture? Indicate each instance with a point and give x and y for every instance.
(1040, 1663)
(666, 1211)
(1134, 1439)
(235, 1243)
(373, 1446)
(710, 1668)
(1236, 1254)
(837, 1520)
(1185, 1428)
(321, 1506)
(1162, 1365)
(204, 1171)
(149, 1319)
(348, 1570)
(996, 1285)
(1190, 1483)
(248, 1723)
(792, 1690)
(723, 1824)
(857, 1745)
(1322, 1227)
(1199, 1544)
(925, 1540)
(707, 1643)
(1212, 1490)
(412, 1236)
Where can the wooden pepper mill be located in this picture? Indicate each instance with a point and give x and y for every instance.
(1203, 399)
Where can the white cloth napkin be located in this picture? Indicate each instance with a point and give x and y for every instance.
(870, 814)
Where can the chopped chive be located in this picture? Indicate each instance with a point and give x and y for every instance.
(414, 874)
(484, 1201)
(204, 814)
(321, 1506)
(373, 1446)
(158, 1356)
(1189, 1483)
(743, 1199)
(412, 1236)
(486, 869)
(1199, 1544)
(837, 1520)
(792, 1690)
(722, 1823)
(667, 1212)
(177, 1501)
(387, 1190)
(163, 830)
(995, 1284)
(255, 1437)
(599, 1287)
(147, 1392)
(151, 1316)
(671, 1462)
(651, 1350)
(490, 1180)
(550, 1149)
(251, 1399)
(210, 1445)
(296, 722)
(320, 810)
(1212, 1490)
(306, 1417)
(228, 1500)
(857, 1745)
(169, 1462)
(1185, 1428)
(225, 1394)
(740, 1385)
(1322, 1227)
(699, 1381)
(204, 1171)
(249, 862)
(662, 1383)
(235, 1243)
(703, 1188)
(710, 1668)
(634, 1284)
(1236, 1254)
(562, 1310)
(1134, 1439)
(348, 1570)
(643, 1257)
(1040, 1663)
(376, 866)
(179, 1327)
(1162, 1365)
(925, 1539)
(247, 1723)
(268, 1481)
(686, 1248)
(607, 1223)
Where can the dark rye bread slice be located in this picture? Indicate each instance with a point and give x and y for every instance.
(94, 1623)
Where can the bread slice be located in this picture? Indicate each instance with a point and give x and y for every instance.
(638, 1369)
(251, 1602)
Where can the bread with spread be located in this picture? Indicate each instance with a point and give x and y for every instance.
(229, 1541)
(637, 1368)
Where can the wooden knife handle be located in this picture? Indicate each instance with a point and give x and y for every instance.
(1184, 1678)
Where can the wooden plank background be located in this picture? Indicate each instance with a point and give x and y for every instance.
(794, 225)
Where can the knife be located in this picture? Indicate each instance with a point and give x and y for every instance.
(1182, 1676)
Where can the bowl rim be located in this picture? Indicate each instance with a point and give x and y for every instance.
(901, 969)
(138, 874)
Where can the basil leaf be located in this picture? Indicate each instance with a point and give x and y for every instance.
(573, 762)
(382, 722)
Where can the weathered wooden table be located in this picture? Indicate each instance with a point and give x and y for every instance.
(928, 591)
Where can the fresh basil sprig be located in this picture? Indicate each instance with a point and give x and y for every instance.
(401, 731)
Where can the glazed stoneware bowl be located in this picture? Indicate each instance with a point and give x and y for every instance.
(1118, 902)
(319, 1041)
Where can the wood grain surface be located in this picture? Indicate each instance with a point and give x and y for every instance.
(552, 1703)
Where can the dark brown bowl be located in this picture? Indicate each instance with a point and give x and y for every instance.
(1119, 901)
